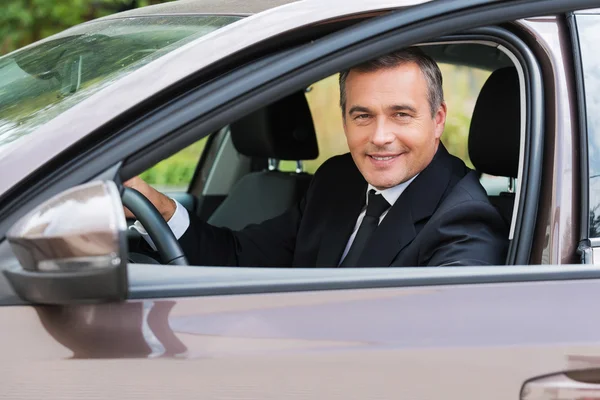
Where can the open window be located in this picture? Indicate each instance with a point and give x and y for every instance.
(256, 167)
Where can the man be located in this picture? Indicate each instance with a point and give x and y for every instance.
(398, 199)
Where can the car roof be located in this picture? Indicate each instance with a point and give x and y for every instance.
(228, 7)
(31, 152)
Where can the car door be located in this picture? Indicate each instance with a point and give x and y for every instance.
(186, 332)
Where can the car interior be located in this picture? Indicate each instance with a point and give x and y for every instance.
(252, 169)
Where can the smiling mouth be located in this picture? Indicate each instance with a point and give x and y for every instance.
(383, 158)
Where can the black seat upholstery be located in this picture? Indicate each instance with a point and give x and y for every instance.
(494, 136)
(283, 130)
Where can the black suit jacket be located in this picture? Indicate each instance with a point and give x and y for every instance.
(442, 218)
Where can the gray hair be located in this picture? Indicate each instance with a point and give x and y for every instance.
(429, 68)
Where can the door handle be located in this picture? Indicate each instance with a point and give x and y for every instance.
(572, 385)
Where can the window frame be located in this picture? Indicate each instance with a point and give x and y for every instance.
(589, 246)
(235, 280)
(156, 281)
(532, 122)
(532, 117)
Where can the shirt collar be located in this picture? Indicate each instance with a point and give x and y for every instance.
(391, 194)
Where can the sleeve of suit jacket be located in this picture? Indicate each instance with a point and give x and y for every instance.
(268, 244)
(470, 232)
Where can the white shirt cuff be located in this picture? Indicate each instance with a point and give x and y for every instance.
(178, 223)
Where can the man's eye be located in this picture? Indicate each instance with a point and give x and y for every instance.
(402, 115)
(361, 116)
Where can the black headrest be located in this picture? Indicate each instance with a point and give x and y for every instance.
(283, 130)
(495, 131)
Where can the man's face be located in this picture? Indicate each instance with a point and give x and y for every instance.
(390, 131)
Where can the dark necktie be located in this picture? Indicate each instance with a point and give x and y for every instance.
(376, 205)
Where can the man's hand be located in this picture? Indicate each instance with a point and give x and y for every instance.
(163, 204)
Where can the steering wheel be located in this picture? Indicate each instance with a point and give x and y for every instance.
(166, 243)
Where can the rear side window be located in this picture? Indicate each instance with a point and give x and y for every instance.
(589, 31)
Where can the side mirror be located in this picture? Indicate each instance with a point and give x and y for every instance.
(72, 248)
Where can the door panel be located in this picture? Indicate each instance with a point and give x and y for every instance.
(457, 342)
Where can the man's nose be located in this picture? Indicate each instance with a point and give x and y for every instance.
(383, 134)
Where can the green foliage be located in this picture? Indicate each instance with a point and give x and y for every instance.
(456, 135)
(461, 87)
(178, 169)
(170, 172)
(25, 21)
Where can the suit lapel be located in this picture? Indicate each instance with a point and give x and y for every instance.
(419, 201)
(349, 199)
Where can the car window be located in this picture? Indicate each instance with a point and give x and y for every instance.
(174, 174)
(41, 81)
(589, 30)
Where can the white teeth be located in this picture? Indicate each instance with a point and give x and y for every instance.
(382, 158)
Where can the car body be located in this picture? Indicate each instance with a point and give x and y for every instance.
(525, 330)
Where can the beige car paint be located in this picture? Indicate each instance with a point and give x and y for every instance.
(556, 237)
(276, 346)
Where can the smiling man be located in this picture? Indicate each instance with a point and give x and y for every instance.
(398, 199)
(395, 118)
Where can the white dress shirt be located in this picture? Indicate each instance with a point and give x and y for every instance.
(390, 195)
(180, 220)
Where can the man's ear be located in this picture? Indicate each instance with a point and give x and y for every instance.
(440, 120)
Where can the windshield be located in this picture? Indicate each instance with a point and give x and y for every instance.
(42, 81)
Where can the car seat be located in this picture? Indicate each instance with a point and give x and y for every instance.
(495, 133)
(283, 130)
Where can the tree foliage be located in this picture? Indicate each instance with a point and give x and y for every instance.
(25, 21)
